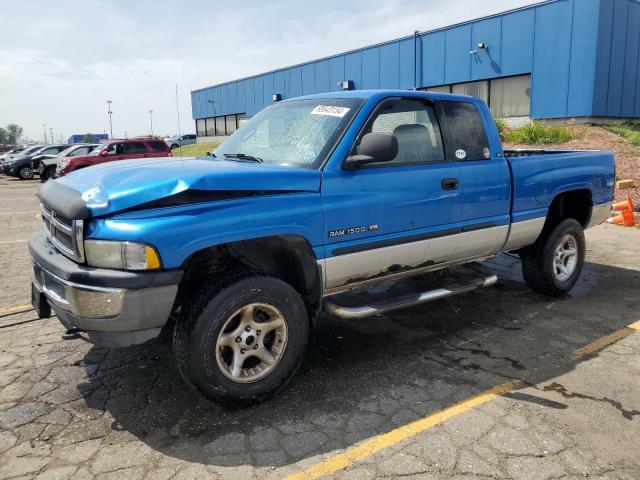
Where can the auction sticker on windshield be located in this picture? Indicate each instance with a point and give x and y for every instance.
(330, 110)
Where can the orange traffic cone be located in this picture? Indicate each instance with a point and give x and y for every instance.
(625, 218)
(622, 206)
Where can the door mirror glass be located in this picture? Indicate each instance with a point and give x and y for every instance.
(373, 148)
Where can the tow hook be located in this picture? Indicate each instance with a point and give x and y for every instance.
(72, 334)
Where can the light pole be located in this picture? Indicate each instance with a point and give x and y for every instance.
(109, 102)
(51, 130)
(151, 120)
(44, 129)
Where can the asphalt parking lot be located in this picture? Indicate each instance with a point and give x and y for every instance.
(500, 383)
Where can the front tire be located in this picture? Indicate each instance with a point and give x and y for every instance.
(241, 339)
(553, 264)
(46, 174)
(25, 173)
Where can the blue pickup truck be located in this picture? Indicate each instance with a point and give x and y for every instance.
(235, 255)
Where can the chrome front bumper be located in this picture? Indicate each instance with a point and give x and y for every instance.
(115, 308)
(82, 300)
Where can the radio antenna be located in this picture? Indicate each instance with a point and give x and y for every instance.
(178, 116)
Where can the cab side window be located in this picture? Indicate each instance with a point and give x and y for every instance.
(415, 126)
(158, 146)
(115, 149)
(466, 131)
(134, 148)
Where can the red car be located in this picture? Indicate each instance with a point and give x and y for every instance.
(115, 150)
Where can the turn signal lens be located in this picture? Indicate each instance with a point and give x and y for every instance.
(121, 255)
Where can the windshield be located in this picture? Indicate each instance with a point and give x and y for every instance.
(31, 150)
(297, 133)
(67, 151)
(99, 148)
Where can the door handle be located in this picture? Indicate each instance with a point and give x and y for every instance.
(450, 183)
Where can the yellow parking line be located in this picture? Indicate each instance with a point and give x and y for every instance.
(368, 447)
(385, 440)
(15, 309)
(13, 241)
(604, 341)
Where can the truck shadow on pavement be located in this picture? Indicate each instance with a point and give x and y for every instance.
(361, 378)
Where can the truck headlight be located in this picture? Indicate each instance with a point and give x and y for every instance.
(63, 164)
(121, 255)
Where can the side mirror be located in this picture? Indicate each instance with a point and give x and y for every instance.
(373, 148)
(103, 153)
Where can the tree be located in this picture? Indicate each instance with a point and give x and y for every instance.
(14, 132)
(88, 138)
(3, 135)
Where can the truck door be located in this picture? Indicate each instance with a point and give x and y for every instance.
(113, 152)
(484, 180)
(386, 218)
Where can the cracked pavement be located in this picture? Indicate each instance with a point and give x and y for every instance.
(69, 410)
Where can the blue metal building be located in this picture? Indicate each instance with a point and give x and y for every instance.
(78, 138)
(557, 59)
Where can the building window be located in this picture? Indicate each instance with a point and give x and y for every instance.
(473, 89)
(231, 121)
(506, 97)
(440, 89)
(200, 127)
(220, 130)
(211, 127)
(218, 126)
(511, 97)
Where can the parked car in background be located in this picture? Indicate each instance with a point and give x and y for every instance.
(180, 140)
(48, 152)
(11, 153)
(20, 166)
(5, 147)
(48, 163)
(112, 151)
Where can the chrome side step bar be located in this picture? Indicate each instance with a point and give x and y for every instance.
(351, 313)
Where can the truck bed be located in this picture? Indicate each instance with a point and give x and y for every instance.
(538, 176)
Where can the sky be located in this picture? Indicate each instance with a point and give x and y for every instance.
(61, 60)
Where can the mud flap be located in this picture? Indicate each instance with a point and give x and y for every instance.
(40, 302)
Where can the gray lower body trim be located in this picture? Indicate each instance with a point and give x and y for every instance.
(356, 270)
(524, 233)
(599, 213)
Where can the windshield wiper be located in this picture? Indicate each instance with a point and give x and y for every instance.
(242, 156)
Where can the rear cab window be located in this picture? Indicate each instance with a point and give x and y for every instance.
(467, 139)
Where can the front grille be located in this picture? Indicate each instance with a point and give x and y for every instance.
(65, 234)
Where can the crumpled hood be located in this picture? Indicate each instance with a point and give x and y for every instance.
(119, 185)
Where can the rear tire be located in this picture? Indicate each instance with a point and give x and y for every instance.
(553, 264)
(25, 173)
(229, 327)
